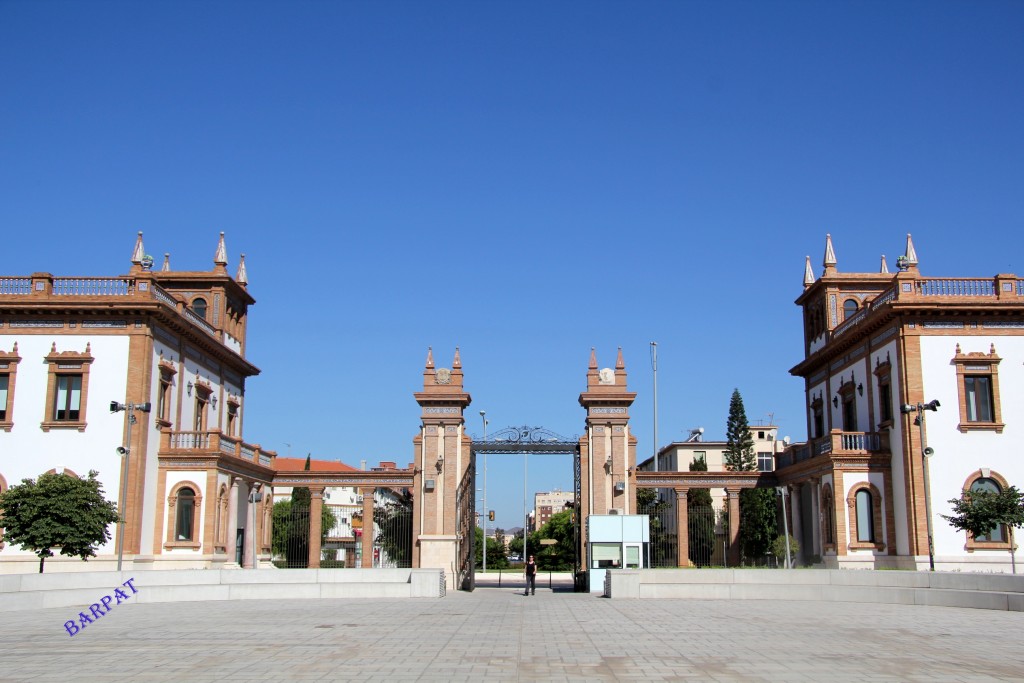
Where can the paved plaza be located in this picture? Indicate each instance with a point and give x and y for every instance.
(499, 634)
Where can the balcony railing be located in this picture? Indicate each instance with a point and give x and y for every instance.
(836, 443)
(180, 443)
(136, 288)
(956, 287)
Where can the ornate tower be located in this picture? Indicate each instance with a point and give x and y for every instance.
(608, 449)
(442, 458)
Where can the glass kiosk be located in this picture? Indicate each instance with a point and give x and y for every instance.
(615, 542)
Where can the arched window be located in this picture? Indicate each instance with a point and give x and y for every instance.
(865, 519)
(989, 485)
(199, 306)
(183, 518)
(184, 514)
(865, 523)
(828, 518)
(849, 308)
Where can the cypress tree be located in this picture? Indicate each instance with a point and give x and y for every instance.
(739, 450)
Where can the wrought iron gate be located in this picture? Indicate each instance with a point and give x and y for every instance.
(465, 524)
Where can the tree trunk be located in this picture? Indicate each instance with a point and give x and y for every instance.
(41, 560)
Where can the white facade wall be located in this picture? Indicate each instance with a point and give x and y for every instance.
(26, 451)
(957, 454)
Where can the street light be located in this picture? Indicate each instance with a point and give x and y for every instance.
(125, 451)
(654, 367)
(926, 452)
(783, 491)
(483, 516)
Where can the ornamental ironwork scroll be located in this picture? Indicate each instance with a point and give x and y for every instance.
(526, 439)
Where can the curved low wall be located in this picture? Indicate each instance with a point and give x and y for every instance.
(74, 589)
(946, 589)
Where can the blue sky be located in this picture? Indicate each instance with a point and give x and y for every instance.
(524, 180)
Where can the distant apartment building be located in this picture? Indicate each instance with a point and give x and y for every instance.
(547, 504)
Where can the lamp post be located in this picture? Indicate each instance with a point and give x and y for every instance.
(654, 367)
(483, 516)
(125, 451)
(782, 491)
(926, 452)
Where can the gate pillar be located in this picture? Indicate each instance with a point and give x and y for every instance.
(682, 529)
(608, 449)
(316, 522)
(734, 526)
(442, 461)
(367, 494)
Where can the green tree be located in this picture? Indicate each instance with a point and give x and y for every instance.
(393, 530)
(57, 511)
(663, 544)
(739, 449)
(981, 512)
(515, 546)
(758, 522)
(758, 517)
(290, 530)
(495, 552)
(560, 555)
(700, 519)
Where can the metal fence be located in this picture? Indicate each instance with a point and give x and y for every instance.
(291, 537)
(707, 534)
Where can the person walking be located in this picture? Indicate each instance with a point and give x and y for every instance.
(531, 576)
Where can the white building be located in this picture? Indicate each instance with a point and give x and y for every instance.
(172, 341)
(874, 342)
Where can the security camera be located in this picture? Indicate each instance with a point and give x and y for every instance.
(929, 451)
(121, 450)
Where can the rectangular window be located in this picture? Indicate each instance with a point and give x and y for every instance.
(978, 392)
(605, 555)
(849, 413)
(163, 399)
(68, 402)
(765, 462)
(5, 381)
(885, 400)
(819, 423)
(200, 421)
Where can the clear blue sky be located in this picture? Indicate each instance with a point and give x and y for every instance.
(522, 179)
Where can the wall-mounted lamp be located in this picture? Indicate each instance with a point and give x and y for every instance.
(213, 401)
(860, 389)
(188, 388)
(835, 401)
(439, 464)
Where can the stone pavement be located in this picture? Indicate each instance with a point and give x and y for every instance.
(498, 634)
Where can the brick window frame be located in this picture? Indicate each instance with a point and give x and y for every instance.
(220, 534)
(9, 369)
(165, 382)
(3, 487)
(828, 519)
(66, 364)
(883, 380)
(978, 364)
(172, 517)
(971, 545)
(233, 404)
(847, 393)
(876, 517)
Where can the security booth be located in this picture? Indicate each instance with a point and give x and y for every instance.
(616, 542)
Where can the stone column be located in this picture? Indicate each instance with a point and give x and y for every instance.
(232, 548)
(367, 494)
(250, 529)
(682, 529)
(734, 526)
(316, 509)
(815, 517)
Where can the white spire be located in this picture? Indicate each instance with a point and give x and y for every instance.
(808, 273)
(885, 266)
(910, 257)
(221, 258)
(167, 263)
(830, 253)
(242, 277)
(139, 252)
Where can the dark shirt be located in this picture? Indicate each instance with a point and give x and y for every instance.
(531, 568)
